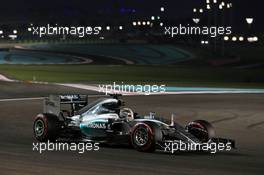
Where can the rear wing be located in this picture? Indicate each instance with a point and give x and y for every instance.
(53, 104)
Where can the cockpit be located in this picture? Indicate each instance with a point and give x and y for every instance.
(107, 106)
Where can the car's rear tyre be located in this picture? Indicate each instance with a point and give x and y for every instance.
(201, 129)
(46, 127)
(144, 137)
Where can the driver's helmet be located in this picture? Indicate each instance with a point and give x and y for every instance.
(127, 114)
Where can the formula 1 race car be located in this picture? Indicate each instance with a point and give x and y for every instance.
(70, 118)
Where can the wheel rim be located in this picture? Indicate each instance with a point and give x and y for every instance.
(141, 136)
(39, 127)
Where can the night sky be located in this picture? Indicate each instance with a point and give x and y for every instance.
(33, 10)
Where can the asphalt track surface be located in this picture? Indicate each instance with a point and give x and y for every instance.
(235, 116)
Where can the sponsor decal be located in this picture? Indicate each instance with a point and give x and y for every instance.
(97, 125)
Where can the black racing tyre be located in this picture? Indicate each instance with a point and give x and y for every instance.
(144, 137)
(201, 129)
(46, 127)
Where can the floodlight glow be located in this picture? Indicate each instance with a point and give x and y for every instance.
(148, 22)
(1, 32)
(208, 1)
(196, 20)
(108, 28)
(134, 23)
(234, 38)
(226, 38)
(206, 42)
(12, 36)
(139, 23)
(220, 7)
(161, 24)
(143, 23)
(255, 39)
(15, 31)
(249, 20)
(162, 9)
(152, 18)
(208, 6)
(194, 10)
(120, 27)
(241, 38)
(250, 39)
(215, 1)
(201, 10)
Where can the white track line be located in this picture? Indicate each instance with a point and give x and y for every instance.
(84, 59)
(4, 78)
(97, 89)
(21, 99)
(138, 94)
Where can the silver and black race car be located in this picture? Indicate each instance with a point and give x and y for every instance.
(69, 118)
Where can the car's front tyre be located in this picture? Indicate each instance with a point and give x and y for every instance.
(201, 129)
